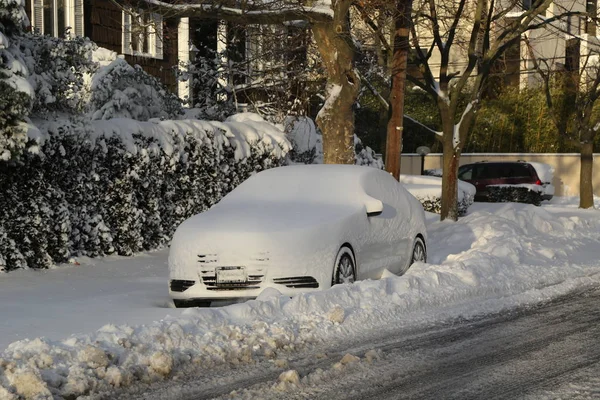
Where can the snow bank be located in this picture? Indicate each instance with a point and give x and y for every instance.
(498, 256)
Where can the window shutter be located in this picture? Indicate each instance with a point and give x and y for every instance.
(38, 16)
(79, 18)
(157, 29)
(126, 41)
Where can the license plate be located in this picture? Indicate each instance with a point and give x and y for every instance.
(231, 275)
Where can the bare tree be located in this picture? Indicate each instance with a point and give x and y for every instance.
(576, 118)
(456, 44)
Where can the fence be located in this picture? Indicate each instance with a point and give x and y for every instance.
(566, 166)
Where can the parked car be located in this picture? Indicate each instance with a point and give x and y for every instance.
(297, 229)
(483, 174)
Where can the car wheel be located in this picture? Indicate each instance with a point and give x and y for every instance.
(344, 270)
(190, 303)
(419, 253)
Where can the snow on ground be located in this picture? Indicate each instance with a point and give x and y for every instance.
(498, 256)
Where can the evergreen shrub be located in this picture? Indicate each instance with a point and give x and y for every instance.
(514, 193)
(122, 186)
(434, 204)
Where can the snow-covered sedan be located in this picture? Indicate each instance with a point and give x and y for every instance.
(297, 229)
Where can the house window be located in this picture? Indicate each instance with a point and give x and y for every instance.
(265, 50)
(142, 34)
(56, 17)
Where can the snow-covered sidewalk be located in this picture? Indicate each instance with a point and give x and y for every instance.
(498, 256)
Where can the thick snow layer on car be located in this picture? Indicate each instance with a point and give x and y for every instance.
(331, 184)
(544, 171)
(498, 256)
(301, 225)
(431, 186)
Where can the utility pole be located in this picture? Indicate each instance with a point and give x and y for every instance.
(395, 127)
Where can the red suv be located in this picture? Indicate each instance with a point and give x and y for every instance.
(482, 174)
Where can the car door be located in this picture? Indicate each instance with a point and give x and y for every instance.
(485, 174)
(388, 231)
(521, 173)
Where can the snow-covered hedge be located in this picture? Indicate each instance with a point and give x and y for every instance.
(524, 193)
(428, 190)
(122, 186)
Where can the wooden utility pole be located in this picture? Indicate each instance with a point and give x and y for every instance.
(395, 127)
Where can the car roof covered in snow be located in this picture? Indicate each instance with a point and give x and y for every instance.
(344, 184)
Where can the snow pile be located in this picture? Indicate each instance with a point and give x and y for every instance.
(428, 190)
(307, 144)
(496, 257)
(123, 185)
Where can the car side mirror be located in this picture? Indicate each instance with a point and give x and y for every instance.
(374, 207)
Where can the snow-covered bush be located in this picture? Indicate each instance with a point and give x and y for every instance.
(123, 186)
(428, 190)
(122, 91)
(524, 193)
(57, 68)
(307, 145)
(433, 172)
(15, 91)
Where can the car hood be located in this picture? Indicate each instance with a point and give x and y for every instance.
(278, 232)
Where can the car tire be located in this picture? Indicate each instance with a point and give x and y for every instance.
(419, 252)
(190, 303)
(344, 269)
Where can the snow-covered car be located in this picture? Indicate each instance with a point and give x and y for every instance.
(297, 229)
(483, 174)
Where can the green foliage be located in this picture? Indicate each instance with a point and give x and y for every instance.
(421, 108)
(516, 121)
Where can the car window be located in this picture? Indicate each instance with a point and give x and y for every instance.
(465, 173)
(488, 171)
(519, 171)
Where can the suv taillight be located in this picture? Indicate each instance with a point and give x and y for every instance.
(538, 182)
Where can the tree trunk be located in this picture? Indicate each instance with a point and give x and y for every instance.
(395, 125)
(586, 189)
(336, 118)
(450, 161)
